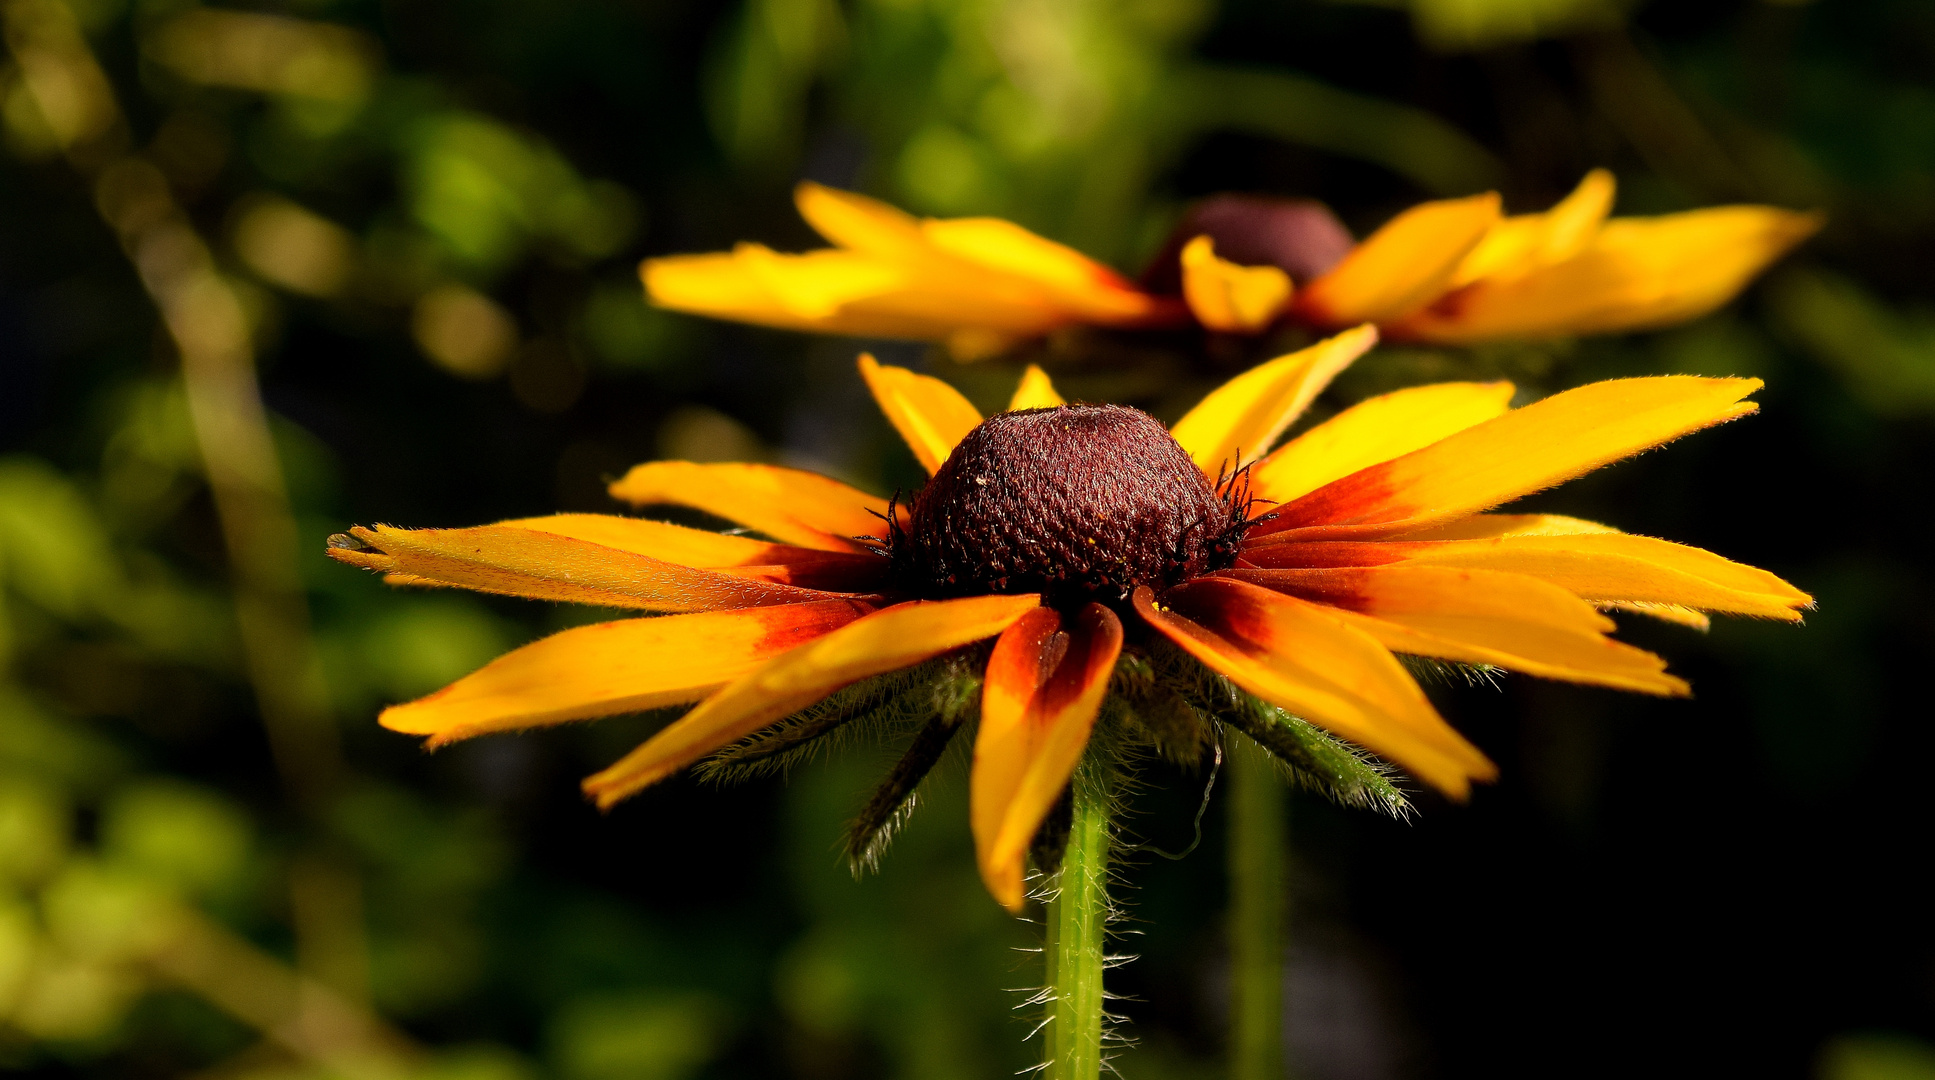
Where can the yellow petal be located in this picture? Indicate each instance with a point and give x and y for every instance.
(1673, 613)
(1304, 659)
(740, 556)
(548, 566)
(1071, 280)
(1620, 568)
(615, 667)
(1528, 241)
(1035, 392)
(789, 505)
(1478, 617)
(860, 224)
(795, 292)
(1245, 415)
(1038, 704)
(1597, 564)
(1638, 273)
(929, 414)
(1376, 431)
(1526, 450)
(1402, 266)
(1227, 297)
(886, 640)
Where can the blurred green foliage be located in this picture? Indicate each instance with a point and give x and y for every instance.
(431, 213)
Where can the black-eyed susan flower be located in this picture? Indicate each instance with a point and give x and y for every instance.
(1454, 271)
(1088, 543)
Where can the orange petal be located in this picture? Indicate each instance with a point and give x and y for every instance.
(1602, 567)
(1227, 297)
(1526, 450)
(1526, 242)
(1245, 415)
(886, 640)
(739, 556)
(549, 566)
(1478, 617)
(1637, 273)
(1035, 392)
(789, 505)
(929, 414)
(1376, 431)
(1043, 690)
(615, 667)
(1402, 266)
(1305, 659)
(1621, 568)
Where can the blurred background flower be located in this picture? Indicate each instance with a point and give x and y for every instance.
(265, 272)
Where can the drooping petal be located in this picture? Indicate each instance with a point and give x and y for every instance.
(886, 640)
(1246, 415)
(1305, 659)
(739, 556)
(1375, 431)
(1035, 392)
(1043, 689)
(1638, 273)
(1526, 242)
(789, 505)
(1478, 617)
(1402, 266)
(615, 667)
(1599, 565)
(549, 566)
(929, 414)
(1525, 450)
(1228, 297)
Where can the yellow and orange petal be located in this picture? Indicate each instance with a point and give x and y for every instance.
(974, 283)
(1228, 297)
(789, 505)
(541, 565)
(1487, 617)
(1045, 683)
(1306, 660)
(1244, 417)
(1401, 267)
(886, 640)
(616, 667)
(1523, 451)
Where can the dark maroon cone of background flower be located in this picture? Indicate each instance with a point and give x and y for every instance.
(1299, 236)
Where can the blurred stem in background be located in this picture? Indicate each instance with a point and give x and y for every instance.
(1257, 856)
(205, 319)
(1078, 914)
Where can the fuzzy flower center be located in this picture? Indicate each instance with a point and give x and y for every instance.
(1077, 502)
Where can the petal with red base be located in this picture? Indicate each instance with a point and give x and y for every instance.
(1044, 686)
(615, 667)
(884, 641)
(1307, 660)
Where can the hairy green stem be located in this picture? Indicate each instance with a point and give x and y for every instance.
(1257, 908)
(1077, 915)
